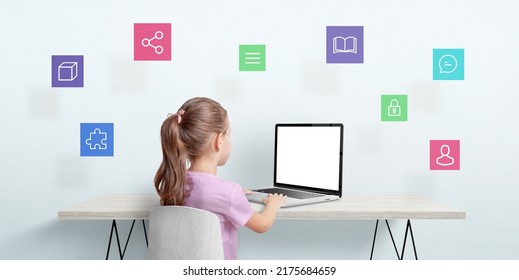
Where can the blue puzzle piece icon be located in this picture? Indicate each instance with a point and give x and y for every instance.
(97, 140)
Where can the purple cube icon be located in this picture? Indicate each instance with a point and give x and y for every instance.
(67, 71)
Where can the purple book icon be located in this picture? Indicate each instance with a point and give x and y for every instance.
(344, 44)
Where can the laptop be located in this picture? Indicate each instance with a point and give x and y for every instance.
(307, 164)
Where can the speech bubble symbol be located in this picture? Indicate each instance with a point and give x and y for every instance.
(448, 64)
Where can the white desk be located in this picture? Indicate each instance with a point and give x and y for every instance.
(355, 207)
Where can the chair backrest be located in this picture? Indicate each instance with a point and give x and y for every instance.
(184, 233)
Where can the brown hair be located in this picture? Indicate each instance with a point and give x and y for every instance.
(184, 137)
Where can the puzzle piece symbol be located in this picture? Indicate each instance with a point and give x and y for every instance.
(97, 140)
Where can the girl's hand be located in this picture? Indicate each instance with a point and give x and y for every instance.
(276, 200)
(247, 191)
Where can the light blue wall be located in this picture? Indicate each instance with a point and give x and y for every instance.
(41, 171)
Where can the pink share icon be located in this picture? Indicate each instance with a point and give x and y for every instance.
(146, 42)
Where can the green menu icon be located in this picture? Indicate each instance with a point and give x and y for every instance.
(252, 57)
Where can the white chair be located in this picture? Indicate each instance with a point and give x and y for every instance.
(184, 233)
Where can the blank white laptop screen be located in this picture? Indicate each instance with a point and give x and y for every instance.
(309, 156)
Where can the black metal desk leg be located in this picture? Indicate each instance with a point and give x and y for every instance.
(374, 238)
(128, 239)
(408, 228)
(114, 228)
(145, 233)
(392, 240)
(123, 252)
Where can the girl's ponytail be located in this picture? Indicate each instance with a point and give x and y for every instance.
(171, 176)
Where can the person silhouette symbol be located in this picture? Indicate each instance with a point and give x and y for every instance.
(445, 159)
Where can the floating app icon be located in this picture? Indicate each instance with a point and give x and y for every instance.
(252, 57)
(147, 42)
(345, 44)
(444, 155)
(448, 64)
(152, 41)
(97, 139)
(67, 71)
(393, 108)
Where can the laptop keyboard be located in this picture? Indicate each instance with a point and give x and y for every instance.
(291, 193)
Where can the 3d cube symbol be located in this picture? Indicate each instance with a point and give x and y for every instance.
(67, 71)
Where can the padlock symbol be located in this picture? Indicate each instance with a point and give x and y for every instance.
(393, 110)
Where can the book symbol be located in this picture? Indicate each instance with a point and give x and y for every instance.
(344, 45)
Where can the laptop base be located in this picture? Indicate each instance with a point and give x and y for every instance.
(290, 201)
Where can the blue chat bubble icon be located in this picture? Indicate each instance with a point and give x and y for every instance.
(448, 64)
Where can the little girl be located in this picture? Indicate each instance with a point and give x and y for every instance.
(200, 133)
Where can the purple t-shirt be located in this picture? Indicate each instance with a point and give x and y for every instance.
(223, 198)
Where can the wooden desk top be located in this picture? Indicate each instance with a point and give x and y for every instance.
(350, 207)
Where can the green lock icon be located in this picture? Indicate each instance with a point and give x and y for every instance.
(393, 110)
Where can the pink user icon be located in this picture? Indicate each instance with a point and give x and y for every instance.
(445, 159)
(444, 155)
